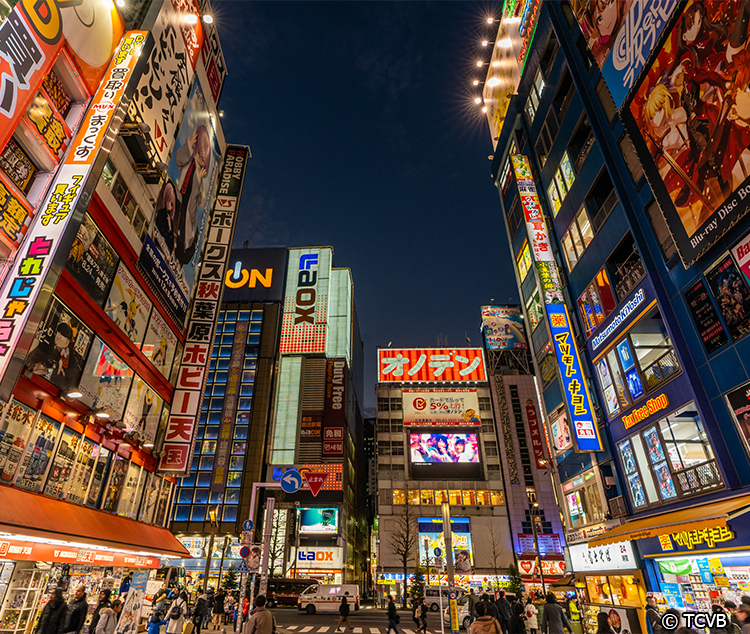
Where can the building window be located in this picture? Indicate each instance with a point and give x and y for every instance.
(488, 426)
(605, 99)
(523, 261)
(669, 460)
(397, 426)
(399, 496)
(485, 405)
(626, 267)
(535, 95)
(124, 199)
(601, 199)
(454, 497)
(549, 54)
(515, 217)
(581, 143)
(596, 302)
(497, 498)
(384, 447)
(559, 187)
(566, 91)
(490, 448)
(547, 136)
(661, 230)
(441, 496)
(383, 404)
(428, 496)
(396, 405)
(577, 238)
(582, 500)
(534, 310)
(627, 149)
(397, 448)
(506, 176)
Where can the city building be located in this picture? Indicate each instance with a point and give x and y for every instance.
(631, 262)
(108, 209)
(437, 443)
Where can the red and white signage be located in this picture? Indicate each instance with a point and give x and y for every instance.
(550, 568)
(18, 550)
(315, 480)
(549, 543)
(333, 441)
(535, 433)
(441, 407)
(421, 365)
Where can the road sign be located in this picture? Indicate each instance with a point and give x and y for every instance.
(453, 595)
(242, 568)
(247, 525)
(244, 552)
(291, 481)
(439, 564)
(315, 480)
(247, 538)
(438, 552)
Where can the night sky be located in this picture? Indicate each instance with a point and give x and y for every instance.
(365, 137)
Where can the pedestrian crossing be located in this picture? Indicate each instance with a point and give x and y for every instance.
(355, 630)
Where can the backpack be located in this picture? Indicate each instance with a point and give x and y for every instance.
(176, 612)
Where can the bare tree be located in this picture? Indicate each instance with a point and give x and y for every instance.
(404, 540)
(278, 541)
(496, 551)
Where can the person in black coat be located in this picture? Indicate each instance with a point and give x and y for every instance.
(344, 613)
(54, 615)
(490, 608)
(104, 602)
(516, 625)
(199, 611)
(78, 610)
(503, 611)
(393, 617)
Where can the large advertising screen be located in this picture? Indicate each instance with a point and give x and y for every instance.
(444, 455)
(690, 118)
(441, 407)
(256, 275)
(502, 327)
(318, 521)
(463, 554)
(443, 365)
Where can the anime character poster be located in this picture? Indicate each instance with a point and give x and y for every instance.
(130, 616)
(106, 380)
(59, 346)
(128, 305)
(653, 444)
(637, 495)
(444, 448)
(732, 296)
(628, 458)
(664, 478)
(143, 410)
(600, 22)
(160, 343)
(503, 327)
(92, 261)
(172, 249)
(691, 123)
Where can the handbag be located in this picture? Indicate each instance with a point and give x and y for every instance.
(188, 627)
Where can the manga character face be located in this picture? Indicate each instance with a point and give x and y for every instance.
(61, 341)
(692, 30)
(606, 19)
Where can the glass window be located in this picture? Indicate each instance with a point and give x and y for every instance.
(653, 349)
(206, 463)
(469, 498)
(617, 379)
(243, 315)
(201, 496)
(555, 200)
(231, 315)
(209, 447)
(497, 498)
(534, 310)
(239, 448)
(441, 496)
(203, 480)
(245, 404)
(257, 315)
(523, 261)
(246, 389)
(454, 497)
(181, 513)
(212, 432)
(414, 497)
(427, 496)
(240, 432)
(185, 496)
(219, 389)
(198, 514)
(684, 439)
(230, 514)
(483, 498)
(606, 386)
(236, 463)
(234, 479)
(223, 364)
(231, 497)
(596, 302)
(399, 496)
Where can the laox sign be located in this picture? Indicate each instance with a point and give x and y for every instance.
(321, 555)
(306, 295)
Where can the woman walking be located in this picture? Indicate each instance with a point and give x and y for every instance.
(531, 616)
(554, 620)
(177, 614)
(344, 613)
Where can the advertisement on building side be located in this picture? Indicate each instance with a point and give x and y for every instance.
(256, 275)
(688, 120)
(435, 456)
(188, 394)
(442, 365)
(160, 343)
(304, 324)
(172, 249)
(106, 380)
(92, 261)
(143, 411)
(619, 556)
(23, 285)
(128, 305)
(463, 553)
(315, 521)
(319, 558)
(130, 615)
(212, 55)
(441, 407)
(739, 405)
(503, 327)
(536, 435)
(334, 481)
(334, 415)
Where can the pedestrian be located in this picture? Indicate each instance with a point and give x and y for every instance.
(108, 619)
(602, 624)
(125, 585)
(344, 613)
(484, 623)
(78, 610)
(155, 622)
(209, 608)
(228, 607)
(531, 616)
(177, 614)
(199, 611)
(261, 620)
(745, 599)
(104, 602)
(490, 607)
(743, 614)
(393, 617)
(554, 620)
(516, 624)
(652, 615)
(575, 615)
(53, 616)
(503, 611)
(473, 600)
(421, 613)
(219, 607)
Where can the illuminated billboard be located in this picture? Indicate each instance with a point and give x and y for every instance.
(693, 141)
(316, 521)
(463, 553)
(256, 275)
(502, 327)
(441, 407)
(442, 365)
(303, 326)
(444, 455)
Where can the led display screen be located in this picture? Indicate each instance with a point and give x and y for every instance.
(437, 455)
(318, 521)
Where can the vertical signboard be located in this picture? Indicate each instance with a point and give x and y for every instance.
(535, 433)
(304, 324)
(180, 435)
(334, 413)
(229, 408)
(212, 55)
(573, 380)
(71, 187)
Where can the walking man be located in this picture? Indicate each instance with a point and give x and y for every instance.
(344, 613)
(393, 617)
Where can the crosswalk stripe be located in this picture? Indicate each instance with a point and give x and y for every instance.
(306, 629)
(374, 630)
(324, 629)
(357, 630)
(291, 627)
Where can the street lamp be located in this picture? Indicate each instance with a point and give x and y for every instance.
(213, 515)
(534, 515)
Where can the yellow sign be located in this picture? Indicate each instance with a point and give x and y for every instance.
(708, 536)
(666, 542)
(715, 566)
(652, 406)
(454, 615)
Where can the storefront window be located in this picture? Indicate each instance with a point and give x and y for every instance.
(427, 496)
(523, 261)
(469, 498)
(596, 302)
(62, 463)
(399, 496)
(583, 500)
(454, 497)
(483, 498)
(81, 475)
(441, 496)
(497, 498)
(414, 497)
(534, 310)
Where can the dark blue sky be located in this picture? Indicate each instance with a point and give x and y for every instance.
(364, 137)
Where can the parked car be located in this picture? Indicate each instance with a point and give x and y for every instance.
(464, 618)
(432, 596)
(327, 598)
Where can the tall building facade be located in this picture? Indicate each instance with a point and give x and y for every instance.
(437, 443)
(112, 159)
(622, 183)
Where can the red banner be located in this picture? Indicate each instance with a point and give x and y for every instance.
(18, 550)
(442, 365)
(535, 432)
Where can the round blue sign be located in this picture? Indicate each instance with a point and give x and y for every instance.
(438, 552)
(244, 552)
(291, 481)
(453, 595)
(247, 525)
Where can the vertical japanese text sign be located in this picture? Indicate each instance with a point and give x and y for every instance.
(186, 402)
(68, 195)
(573, 380)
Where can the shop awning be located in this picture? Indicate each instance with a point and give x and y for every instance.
(32, 515)
(714, 514)
(564, 582)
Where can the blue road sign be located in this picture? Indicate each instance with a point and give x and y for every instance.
(453, 595)
(438, 552)
(242, 568)
(247, 525)
(244, 552)
(291, 481)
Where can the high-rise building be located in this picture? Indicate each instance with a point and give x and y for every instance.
(620, 160)
(437, 443)
(112, 158)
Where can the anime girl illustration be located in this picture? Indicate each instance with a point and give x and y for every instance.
(600, 22)
(160, 356)
(164, 229)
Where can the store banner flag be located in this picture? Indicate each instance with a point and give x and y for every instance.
(188, 394)
(689, 121)
(68, 195)
(573, 380)
(130, 616)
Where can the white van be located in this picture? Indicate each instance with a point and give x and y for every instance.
(327, 598)
(432, 596)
